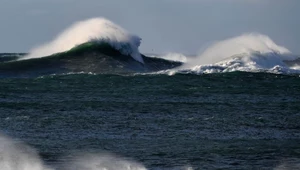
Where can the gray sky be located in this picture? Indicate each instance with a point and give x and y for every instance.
(185, 26)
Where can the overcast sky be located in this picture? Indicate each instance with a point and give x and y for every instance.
(184, 26)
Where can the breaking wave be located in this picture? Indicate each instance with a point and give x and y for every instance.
(249, 53)
(99, 46)
(96, 30)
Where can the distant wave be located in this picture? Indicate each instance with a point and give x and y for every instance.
(249, 53)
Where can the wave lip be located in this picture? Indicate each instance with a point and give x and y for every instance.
(98, 30)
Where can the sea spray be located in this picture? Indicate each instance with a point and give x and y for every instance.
(100, 162)
(15, 155)
(244, 44)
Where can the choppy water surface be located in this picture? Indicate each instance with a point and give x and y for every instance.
(216, 121)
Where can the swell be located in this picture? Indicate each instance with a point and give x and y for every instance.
(99, 58)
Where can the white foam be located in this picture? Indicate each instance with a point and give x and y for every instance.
(95, 29)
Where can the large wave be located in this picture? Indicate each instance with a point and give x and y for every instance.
(98, 30)
(98, 45)
(249, 52)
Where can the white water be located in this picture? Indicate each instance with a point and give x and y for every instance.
(249, 52)
(95, 29)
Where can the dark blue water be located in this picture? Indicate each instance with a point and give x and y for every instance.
(215, 121)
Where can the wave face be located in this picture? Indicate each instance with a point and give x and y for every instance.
(96, 30)
(249, 53)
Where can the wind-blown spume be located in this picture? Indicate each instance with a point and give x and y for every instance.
(96, 29)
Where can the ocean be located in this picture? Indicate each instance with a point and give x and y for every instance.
(102, 105)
